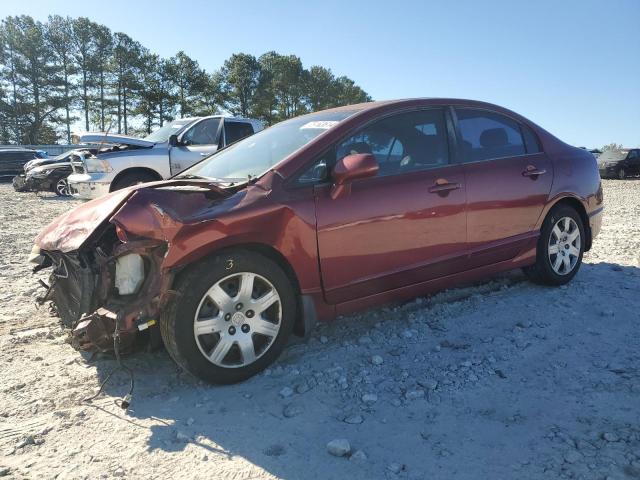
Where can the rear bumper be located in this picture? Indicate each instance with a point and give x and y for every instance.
(86, 187)
(595, 222)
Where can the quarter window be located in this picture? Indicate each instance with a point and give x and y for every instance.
(487, 135)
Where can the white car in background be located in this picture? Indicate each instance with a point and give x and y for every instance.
(123, 160)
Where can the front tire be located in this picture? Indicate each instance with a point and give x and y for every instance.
(62, 188)
(130, 179)
(622, 174)
(232, 317)
(560, 247)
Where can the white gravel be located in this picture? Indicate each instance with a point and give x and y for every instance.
(501, 380)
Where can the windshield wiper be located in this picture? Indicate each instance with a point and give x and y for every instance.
(190, 176)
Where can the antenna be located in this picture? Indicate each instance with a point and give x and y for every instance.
(104, 138)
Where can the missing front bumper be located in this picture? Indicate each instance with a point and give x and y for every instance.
(88, 301)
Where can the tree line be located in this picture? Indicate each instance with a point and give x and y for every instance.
(66, 70)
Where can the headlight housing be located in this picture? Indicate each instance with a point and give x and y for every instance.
(95, 165)
(39, 172)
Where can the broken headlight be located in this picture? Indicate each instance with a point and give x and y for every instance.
(94, 165)
(38, 172)
(129, 273)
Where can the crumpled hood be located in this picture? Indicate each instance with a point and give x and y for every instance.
(152, 210)
(100, 137)
(69, 231)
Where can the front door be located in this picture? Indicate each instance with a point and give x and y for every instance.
(199, 141)
(403, 226)
(508, 181)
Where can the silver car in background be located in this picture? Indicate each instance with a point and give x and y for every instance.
(123, 160)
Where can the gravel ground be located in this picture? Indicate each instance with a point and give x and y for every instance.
(504, 379)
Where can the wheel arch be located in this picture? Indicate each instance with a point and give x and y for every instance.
(305, 319)
(579, 207)
(131, 170)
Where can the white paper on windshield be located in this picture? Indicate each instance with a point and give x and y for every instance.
(320, 124)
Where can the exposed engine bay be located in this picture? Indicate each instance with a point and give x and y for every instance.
(110, 280)
(91, 288)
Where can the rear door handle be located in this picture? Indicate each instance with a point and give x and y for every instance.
(532, 171)
(443, 185)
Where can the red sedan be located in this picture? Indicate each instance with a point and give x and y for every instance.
(317, 216)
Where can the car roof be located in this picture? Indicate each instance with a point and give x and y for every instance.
(417, 102)
(414, 101)
(361, 112)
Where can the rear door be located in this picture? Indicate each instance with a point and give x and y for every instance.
(401, 227)
(508, 180)
(200, 140)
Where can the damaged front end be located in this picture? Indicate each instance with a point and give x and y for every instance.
(109, 278)
(115, 283)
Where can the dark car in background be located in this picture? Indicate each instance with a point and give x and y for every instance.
(13, 159)
(619, 163)
(45, 178)
(63, 157)
(50, 175)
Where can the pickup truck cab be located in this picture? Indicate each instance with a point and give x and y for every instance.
(123, 160)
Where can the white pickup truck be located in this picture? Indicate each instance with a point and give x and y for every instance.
(123, 160)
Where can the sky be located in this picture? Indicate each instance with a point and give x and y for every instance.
(571, 66)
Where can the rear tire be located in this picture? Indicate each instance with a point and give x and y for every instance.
(207, 294)
(133, 178)
(562, 232)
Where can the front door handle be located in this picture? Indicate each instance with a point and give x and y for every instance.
(532, 171)
(443, 185)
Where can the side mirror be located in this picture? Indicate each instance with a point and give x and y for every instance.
(173, 140)
(350, 168)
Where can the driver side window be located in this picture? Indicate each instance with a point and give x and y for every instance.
(402, 143)
(204, 132)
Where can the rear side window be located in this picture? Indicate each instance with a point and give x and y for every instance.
(234, 131)
(486, 135)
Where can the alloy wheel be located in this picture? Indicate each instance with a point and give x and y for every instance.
(564, 246)
(62, 187)
(237, 320)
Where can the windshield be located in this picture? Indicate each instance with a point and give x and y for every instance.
(163, 133)
(257, 154)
